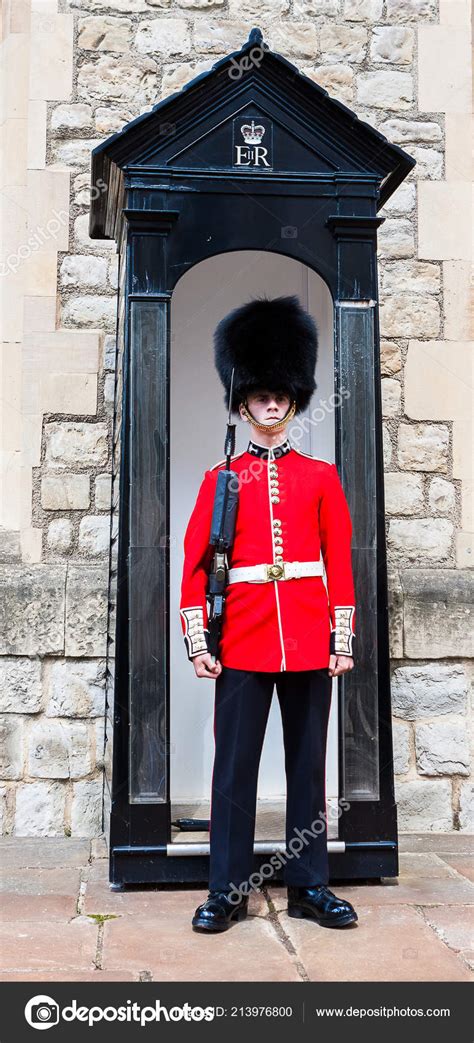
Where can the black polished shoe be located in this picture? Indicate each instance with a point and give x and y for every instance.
(217, 912)
(320, 904)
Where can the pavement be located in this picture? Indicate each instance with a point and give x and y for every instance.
(61, 922)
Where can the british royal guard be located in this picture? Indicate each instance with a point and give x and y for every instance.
(289, 613)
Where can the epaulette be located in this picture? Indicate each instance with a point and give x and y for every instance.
(309, 457)
(219, 462)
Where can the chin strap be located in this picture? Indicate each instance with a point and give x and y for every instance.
(277, 426)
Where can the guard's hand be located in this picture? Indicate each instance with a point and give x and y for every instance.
(339, 664)
(204, 667)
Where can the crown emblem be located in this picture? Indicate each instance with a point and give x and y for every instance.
(252, 133)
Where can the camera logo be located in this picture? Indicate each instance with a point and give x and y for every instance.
(41, 1012)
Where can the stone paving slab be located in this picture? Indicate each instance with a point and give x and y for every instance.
(417, 927)
(413, 890)
(41, 881)
(39, 894)
(426, 865)
(455, 927)
(60, 975)
(437, 842)
(41, 948)
(387, 944)
(172, 951)
(160, 902)
(43, 852)
(463, 864)
(99, 848)
(37, 908)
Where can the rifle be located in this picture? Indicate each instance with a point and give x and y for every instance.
(224, 515)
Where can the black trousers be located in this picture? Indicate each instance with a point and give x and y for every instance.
(242, 704)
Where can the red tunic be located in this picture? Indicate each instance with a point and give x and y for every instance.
(291, 507)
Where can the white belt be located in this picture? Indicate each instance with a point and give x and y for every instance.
(267, 573)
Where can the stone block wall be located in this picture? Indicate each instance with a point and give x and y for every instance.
(74, 72)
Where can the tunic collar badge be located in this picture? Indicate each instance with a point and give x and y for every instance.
(262, 450)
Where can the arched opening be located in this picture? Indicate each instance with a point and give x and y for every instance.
(207, 292)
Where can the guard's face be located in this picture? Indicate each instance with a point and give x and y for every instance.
(268, 406)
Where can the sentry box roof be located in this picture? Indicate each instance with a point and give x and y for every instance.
(293, 127)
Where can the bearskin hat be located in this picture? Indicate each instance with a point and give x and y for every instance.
(270, 343)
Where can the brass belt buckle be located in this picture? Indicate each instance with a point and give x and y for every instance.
(274, 571)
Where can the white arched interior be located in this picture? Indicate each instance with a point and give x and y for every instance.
(206, 293)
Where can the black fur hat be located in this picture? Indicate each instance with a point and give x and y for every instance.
(272, 344)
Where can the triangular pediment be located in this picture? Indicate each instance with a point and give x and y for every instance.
(253, 134)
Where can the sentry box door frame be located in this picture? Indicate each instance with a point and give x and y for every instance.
(251, 155)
